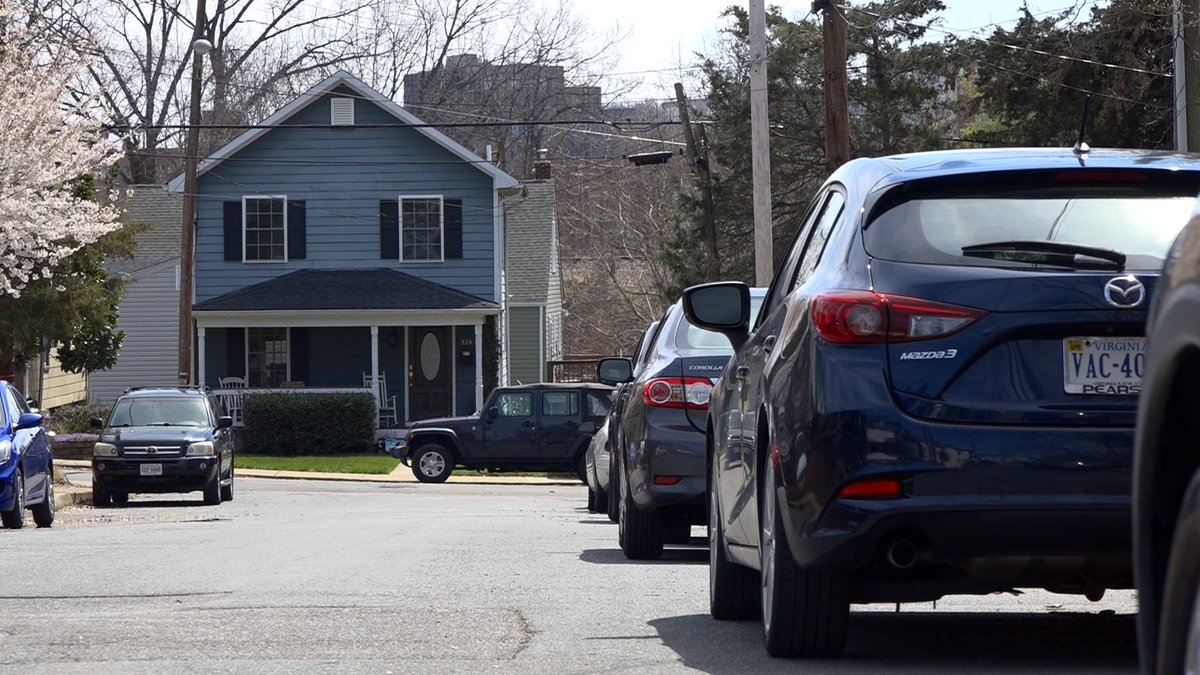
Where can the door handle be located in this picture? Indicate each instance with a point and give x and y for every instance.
(527, 425)
(769, 344)
(741, 372)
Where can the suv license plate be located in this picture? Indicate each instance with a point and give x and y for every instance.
(1104, 366)
(151, 469)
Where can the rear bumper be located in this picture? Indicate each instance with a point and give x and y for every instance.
(672, 450)
(178, 475)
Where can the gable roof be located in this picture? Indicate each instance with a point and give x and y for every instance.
(342, 289)
(161, 213)
(532, 242)
(500, 179)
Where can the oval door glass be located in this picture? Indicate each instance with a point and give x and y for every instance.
(431, 356)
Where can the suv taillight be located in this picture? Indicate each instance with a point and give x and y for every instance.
(863, 317)
(677, 392)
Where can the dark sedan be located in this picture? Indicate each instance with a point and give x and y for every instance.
(939, 394)
(1166, 486)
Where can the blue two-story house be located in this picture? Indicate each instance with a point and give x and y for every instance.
(343, 244)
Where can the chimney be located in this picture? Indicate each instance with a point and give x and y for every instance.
(541, 166)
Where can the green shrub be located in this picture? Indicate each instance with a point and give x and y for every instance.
(309, 424)
(75, 418)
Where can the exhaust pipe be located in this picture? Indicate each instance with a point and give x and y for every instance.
(902, 554)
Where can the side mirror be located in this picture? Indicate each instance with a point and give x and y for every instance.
(28, 420)
(491, 414)
(588, 428)
(224, 422)
(97, 423)
(722, 307)
(614, 371)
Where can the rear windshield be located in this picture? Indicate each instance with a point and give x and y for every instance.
(688, 336)
(934, 229)
(174, 412)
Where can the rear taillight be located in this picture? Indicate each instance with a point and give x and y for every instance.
(677, 392)
(871, 488)
(861, 317)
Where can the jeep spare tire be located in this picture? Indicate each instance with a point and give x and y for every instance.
(432, 463)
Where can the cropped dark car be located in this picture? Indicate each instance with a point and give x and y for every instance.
(1166, 469)
(535, 427)
(939, 394)
(659, 468)
(163, 439)
(26, 464)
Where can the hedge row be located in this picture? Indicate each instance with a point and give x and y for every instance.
(306, 424)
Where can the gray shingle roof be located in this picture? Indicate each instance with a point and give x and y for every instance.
(532, 242)
(361, 289)
(162, 213)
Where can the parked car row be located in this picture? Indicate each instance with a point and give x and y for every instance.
(937, 396)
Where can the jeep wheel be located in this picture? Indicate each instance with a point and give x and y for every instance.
(432, 463)
(640, 533)
(43, 514)
(14, 518)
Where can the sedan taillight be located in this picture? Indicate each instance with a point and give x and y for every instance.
(677, 392)
(863, 317)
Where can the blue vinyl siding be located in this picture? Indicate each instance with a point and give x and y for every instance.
(342, 173)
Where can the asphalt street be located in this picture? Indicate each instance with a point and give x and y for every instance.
(313, 576)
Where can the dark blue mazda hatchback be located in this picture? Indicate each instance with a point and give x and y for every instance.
(939, 393)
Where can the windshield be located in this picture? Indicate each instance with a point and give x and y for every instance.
(936, 230)
(688, 336)
(167, 412)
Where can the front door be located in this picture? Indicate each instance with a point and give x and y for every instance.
(429, 359)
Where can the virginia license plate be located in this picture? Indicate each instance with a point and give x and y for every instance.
(1105, 366)
(150, 469)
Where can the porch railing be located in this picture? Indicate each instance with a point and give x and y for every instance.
(572, 370)
(235, 399)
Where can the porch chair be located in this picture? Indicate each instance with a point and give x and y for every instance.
(233, 402)
(387, 404)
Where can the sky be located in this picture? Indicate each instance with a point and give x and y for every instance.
(662, 34)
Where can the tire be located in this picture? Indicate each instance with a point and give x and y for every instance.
(613, 493)
(640, 533)
(1179, 624)
(119, 498)
(804, 612)
(212, 491)
(14, 518)
(101, 498)
(43, 514)
(432, 463)
(601, 500)
(591, 505)
(227, 490)
(581, 467)
(733, 590)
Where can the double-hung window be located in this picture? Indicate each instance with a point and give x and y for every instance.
(421, 221)
(266, 357)
(265, 228)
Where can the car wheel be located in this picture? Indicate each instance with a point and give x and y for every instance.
(212, 491)
(640, 533)
(43, 514)
(804, 612)
(119, 498)
(732, 589)
(581, 467)
(591, 506)
(227, 490)
(432, 463)
(614, 492)
(14, 518)
(100, 497)
(601, 500)
(1179, 627)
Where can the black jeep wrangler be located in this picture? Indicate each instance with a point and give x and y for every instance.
(536, 427)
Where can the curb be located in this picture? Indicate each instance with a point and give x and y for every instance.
(65, 496)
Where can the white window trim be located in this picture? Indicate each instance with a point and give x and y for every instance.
(442, 225)
(246, 351)
(285, 230)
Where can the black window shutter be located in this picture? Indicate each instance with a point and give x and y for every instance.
(389, 229)
(296, 230)
(233, 231)
(235, 352)
(452, 208)
(299, 349)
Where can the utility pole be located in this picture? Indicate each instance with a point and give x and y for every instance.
(837, 108)
(698, 161)
(1187, 75)
(760, 144)
(187, 246)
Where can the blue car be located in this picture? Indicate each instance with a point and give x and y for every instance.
(26, 464)
(939, 394)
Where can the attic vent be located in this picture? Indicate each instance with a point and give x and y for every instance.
(341, 112)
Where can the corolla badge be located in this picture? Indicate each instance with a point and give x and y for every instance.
(1125, 292)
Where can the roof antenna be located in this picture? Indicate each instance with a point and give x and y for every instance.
(1081, 147)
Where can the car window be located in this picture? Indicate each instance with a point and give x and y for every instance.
(780, 285)
(560, 404)
(515, 404)
(19, 400)
(599, 403)
(11, 409)
(830, 215)
(147, 411)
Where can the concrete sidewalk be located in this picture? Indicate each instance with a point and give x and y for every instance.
(74, 484)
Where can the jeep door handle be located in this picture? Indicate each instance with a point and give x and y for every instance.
(528, 425)
(769, 344)
(741, 372)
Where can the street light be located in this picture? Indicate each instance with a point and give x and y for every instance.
(187, 246)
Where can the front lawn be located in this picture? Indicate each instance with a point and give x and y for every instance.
(372, 464)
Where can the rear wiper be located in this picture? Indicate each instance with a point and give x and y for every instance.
(1042, 252)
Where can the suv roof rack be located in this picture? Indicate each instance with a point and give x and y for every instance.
(181, 387)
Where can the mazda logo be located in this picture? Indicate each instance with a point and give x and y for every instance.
(1125, 292)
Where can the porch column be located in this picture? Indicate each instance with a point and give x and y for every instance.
(200, 355)
(375, 371)
(479, 367)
